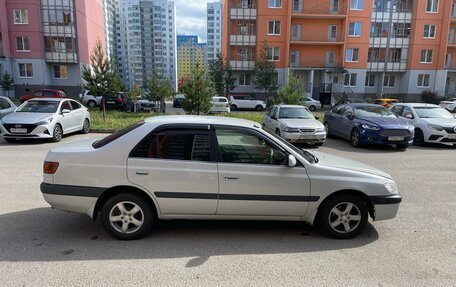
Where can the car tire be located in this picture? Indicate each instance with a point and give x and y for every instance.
(419, 138)
(120, 223)
(355, 138)
(343, 216)
(277, 131)
(313, 108)
(91, 104)
(85, 127)
(327, 129)
(9, 140)
(57, 134)
(233, 107)
(402, 146)
(454, 110)
(259, 108)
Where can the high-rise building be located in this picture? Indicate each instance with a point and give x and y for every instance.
(109, 13)
(190, 53)
(146, 40)
(214, 29)
(358, 47)
(45, 43)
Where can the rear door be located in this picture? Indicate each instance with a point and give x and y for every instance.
(177, 166)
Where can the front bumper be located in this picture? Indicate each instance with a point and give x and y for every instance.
(385, 207)
(34, 132)
(376, 137)
(442, 137)
(317, 137)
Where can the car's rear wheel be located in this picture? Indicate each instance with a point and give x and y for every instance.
(343, 216)
(259, 108)
(10, 140)
(91, 104)
(233, 107)
(85, 127)
(58, 133)
(419, 137)
(313, 108)
(127, 216)
(355, 138)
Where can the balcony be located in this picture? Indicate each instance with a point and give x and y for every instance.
(319, 9)
(243, 14)
(317, 37)
(242, 65)
(312, 63)
(61, 57)
(51, 30)
(399, 16)
(392, 66)
(453, 13)
(381, 42)
(243, 40)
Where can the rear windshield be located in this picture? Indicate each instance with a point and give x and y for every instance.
(112, 137)
(219, 100)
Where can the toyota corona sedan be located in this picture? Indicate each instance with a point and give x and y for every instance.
(190, 167)
(49, 118)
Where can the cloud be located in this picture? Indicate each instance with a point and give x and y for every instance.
(191, 17)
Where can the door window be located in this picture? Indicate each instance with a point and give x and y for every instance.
(175, 145)
(65, 106)
(396, 110)
(75, 105)
(4, 104)
(246, 147)
(407, 113)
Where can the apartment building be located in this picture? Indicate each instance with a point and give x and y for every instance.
(356, 47)
(146, 40)
(214, 29)
(110, 27)
(45, 43)
(190, 53)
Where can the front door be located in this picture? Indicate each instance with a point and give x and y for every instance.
(178, 168)
(254, 178)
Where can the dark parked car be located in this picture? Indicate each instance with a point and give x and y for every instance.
(368, 124)
(43, 94)
(144, 104)
(120, 102)
(177, 100)
(345, 100)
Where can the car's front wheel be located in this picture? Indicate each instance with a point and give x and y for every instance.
(127, 216)
(58, 133)
(313, 108)
(233, 107)
(355, 138)
(343, 216)
(419, 138)
(85, 127)
(91, 104)
(259, 108)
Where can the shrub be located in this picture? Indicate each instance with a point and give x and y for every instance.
(430, 97)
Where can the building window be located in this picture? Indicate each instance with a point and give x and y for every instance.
(273, 54)
(429, 31)
(388, 81)
(274, 28)
(244, 80)
(20, 16)
(351, 55)
(370, 80)
(356, 4)
(23, 44)
(275, 3)
(25, 70)
(61, 71)
(426, 56)
(350, 80)
(354, 29)
(432, 6)
(423, 80)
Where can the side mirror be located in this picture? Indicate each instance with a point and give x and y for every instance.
(291, 161)
(65, 111)
(349, 116)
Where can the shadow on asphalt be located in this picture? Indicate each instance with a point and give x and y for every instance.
(44, 234)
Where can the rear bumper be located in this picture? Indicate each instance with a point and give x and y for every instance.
(385, 207)
(319, 137)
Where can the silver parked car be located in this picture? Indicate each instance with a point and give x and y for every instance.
(295, 124)
(6, 106)
(191, 167)
(311, 103)
(46, 118)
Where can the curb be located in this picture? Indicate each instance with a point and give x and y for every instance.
(103, 131)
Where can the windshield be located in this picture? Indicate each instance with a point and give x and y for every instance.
(302, 152)
(39, 107)
(373, 112)
(432, 112)
(295, 113)
(219, 100)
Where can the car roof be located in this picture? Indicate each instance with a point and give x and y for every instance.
(414, 105)
(217, 97)
(355, 105)
(204, 120)
(50, 99)
(291, 106)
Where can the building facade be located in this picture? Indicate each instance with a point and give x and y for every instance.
(190, 53)
(214, 29)
(146, 40)
(357, 47)
(45, 43)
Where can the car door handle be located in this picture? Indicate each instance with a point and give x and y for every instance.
(231, 178)
(142, 173)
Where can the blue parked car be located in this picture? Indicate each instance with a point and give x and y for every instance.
(368, 124)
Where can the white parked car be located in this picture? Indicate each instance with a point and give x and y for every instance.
(246, 103)
(433, 124)
(311, 103)
(449, 105)
(89, 100)
(295, 124)
(191, 167)
(6, 106)
(47, 118)
(220, 105)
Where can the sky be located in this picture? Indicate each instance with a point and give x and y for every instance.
(191, 17)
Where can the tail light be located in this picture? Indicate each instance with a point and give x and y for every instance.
(50, 167)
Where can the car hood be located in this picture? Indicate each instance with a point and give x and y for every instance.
(330, 160)
(26, 118)
(440, 121)
(301, 123)
(385, 122)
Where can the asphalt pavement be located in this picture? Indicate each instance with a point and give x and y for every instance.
(45, 247)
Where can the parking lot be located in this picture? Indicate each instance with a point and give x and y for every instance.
(46, 247)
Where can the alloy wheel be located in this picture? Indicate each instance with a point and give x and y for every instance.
(345, 217)
(126, 217)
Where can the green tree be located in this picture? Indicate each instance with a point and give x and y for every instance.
(199, 92)
(265, 72)
(221, 75)
(135, 94)
(6, 83)
(289, 94)
(101, 76)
